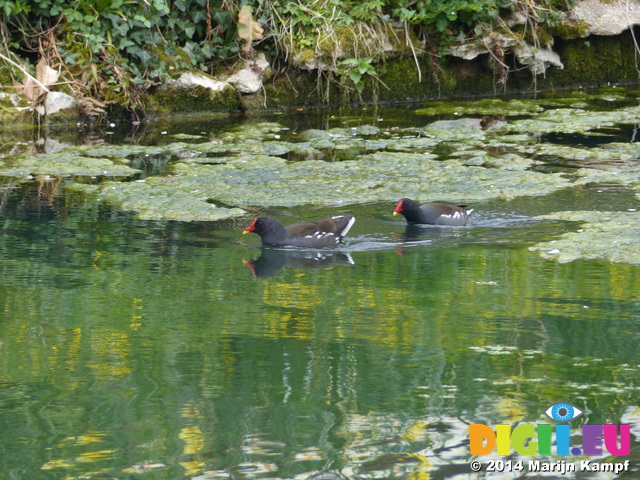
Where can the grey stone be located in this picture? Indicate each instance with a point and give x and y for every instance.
(610, 17)
(249, 78)
(58, 101)
(192, 80)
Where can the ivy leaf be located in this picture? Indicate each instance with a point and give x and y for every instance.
(199, 16)
(442, 22)
(144, 57)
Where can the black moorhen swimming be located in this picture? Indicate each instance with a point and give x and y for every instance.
(326, 233)
(432, 213)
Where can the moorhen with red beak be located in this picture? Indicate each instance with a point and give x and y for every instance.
(326, 233)
(432, 213)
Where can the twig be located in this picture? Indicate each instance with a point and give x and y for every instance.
(413, 51)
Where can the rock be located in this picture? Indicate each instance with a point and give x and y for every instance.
(14, 98)
(515, 18)
(58, 101)
(609, 17)
(50, 145)
(249, 78)
(192, 94)
(537, 59)
(192, 80)
(470, 50)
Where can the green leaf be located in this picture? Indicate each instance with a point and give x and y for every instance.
(355, 76)
(199, 16)
(350, 61)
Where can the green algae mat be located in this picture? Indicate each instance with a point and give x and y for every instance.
(459, 152)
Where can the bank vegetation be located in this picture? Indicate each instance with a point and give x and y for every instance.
(109, 53)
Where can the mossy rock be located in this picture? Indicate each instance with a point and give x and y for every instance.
(68, 116)
(10, 115)
(593, 62)
(197, 101)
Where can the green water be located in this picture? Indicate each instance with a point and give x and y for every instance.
(151, 349)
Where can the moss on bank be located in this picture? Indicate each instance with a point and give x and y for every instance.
(198, 101)
(596, 62)
(10, 115)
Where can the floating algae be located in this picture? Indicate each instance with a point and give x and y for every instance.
(451, 160)
(64, 164)
(269, 164)
(609, 236)
(575, 120)
(156, 201)
(488, 106)
(257, 180)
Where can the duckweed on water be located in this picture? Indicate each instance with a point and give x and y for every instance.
(575, 120)
(154, 200)
(272, 181)
(255, 171)
(64, 164)
(267, 164)
(608, 236)
(487, 106)
(622, 175)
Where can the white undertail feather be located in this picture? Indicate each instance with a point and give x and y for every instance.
(346, 229)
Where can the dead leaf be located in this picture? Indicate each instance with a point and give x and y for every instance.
(248, 29)
(30, 89)
(47, 76)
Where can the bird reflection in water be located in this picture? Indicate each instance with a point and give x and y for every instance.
(273, 259)
(413, 233)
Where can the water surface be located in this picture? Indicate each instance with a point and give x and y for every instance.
(173, 350)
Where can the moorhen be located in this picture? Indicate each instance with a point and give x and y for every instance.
(326, 233)
(432, 213)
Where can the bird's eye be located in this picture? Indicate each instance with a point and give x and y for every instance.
(563, 412)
